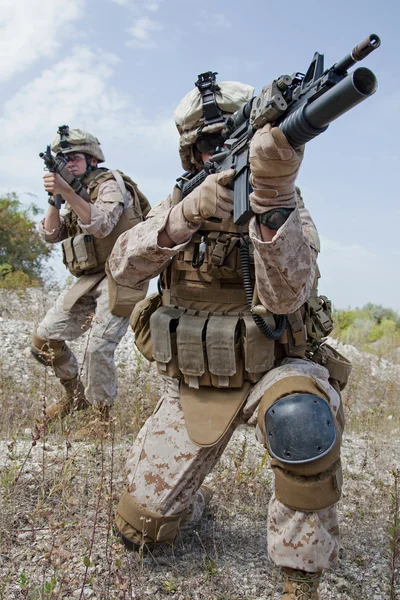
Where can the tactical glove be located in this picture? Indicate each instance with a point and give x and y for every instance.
(274, 165)
(210, 199)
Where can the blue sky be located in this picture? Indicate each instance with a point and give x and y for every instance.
(119, 68)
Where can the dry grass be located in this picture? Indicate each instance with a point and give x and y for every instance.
(57, 499)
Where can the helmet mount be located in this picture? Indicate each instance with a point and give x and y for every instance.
(207, 86)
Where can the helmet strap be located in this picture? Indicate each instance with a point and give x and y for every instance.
(89, 167)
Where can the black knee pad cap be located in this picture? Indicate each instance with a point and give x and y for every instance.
(300, 428)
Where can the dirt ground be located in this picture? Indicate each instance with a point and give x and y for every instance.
(57, 496)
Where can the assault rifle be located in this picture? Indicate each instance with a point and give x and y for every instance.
(301, 105)
(58, 164)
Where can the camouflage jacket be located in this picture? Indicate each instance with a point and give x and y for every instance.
(105, 214)
(285, 267)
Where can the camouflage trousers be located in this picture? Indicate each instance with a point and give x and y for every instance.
(165, 470)
(90, 313)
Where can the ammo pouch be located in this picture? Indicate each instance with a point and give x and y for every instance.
(121, 298)
(79, 254)
(318, 318)
(209, 349)
(140, 323)
(338, 366)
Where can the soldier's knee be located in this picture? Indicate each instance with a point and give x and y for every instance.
(100, 347)
(50, 352)
(303, 437)
(139, 525)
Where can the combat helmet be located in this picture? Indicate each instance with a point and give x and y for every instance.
(204, 109)
(77, 140)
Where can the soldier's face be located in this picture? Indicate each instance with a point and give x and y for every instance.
(76, 163)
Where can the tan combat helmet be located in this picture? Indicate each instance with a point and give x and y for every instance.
(190, 117)
(77, 140)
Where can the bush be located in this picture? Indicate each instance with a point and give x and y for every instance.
(22, 251)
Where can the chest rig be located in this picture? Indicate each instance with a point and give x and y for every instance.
(204, 332)
(85, 254)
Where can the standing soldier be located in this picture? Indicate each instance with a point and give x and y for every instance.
(220, 369)
(88, 231)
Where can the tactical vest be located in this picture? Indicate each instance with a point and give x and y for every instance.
(84, 254)
(204, 331)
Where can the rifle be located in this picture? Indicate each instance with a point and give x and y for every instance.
(301, 105)
(58, 164)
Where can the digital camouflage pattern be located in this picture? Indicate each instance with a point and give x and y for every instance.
(165, 469)
(285, 267)
(105, 214)
(91, 311)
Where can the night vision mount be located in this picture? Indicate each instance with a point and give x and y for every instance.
(207, 86)
(63, 132)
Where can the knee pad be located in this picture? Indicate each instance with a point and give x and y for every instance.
(142, 526)
(50, 353)
(303, 437)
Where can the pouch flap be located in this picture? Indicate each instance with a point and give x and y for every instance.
(68, 250)
(220, 341)
(259, 352)
(210, 411)
(190, 344)
(80, 248)
(161, 323)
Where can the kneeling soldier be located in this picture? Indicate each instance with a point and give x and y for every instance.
(220, 369)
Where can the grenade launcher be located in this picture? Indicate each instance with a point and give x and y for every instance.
(301, 105)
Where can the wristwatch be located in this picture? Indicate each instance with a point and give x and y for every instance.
(274, 218)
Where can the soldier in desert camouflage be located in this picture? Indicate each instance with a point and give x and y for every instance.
(220, 370)
(88, 231)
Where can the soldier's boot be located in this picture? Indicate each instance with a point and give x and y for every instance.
(300, 585)
(207, 493)
(74, 399)
(99, 425)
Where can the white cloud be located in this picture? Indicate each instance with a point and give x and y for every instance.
(33, 29)
(78, 91)
(141, 33)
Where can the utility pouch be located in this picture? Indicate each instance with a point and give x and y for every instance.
(338, 366)
(79, 254)
(190, 345)
(223, 255)
(223, 351)
(259, 351)
(318, 318)
(84, 251)
(294, 338)
(140, 323)
(121, 298)
(69, 257)
(163, 325)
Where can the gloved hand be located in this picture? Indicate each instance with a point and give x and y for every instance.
(274, 165)
(210, 199)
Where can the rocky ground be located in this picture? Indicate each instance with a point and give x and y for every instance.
(57, 496)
